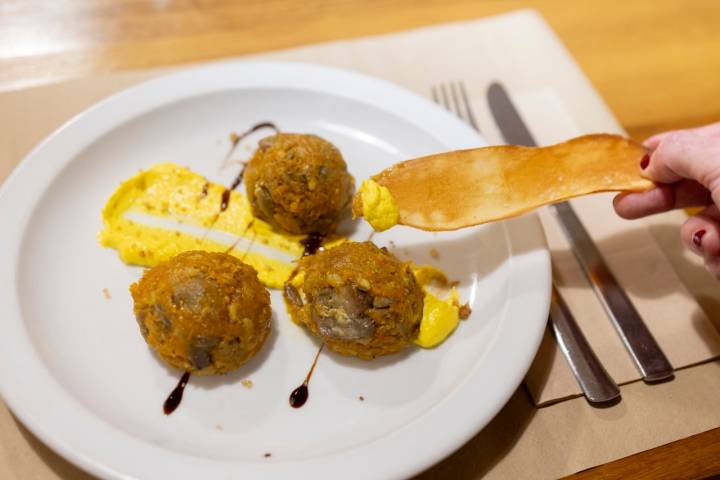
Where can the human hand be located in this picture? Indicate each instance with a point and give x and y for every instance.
(686, 166)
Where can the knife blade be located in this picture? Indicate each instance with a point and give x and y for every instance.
(639, 342)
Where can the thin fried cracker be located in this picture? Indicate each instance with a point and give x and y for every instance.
(458, 189)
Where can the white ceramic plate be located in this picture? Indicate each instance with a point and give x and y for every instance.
(75, 370)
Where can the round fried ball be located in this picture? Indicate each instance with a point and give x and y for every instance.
(358, 298)
(202, 312)
(299, 183)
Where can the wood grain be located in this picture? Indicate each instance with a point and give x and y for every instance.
(694, 457)
(655, 62)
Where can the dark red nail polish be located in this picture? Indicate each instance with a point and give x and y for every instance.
(645, 161)
(697, 237)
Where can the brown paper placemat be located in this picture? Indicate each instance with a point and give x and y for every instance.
(557, 101)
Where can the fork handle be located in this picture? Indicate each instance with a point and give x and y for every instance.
(592, 377)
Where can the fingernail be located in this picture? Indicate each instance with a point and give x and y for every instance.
(697, 238)
(645, 161)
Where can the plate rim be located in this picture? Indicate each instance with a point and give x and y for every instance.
(86, 127)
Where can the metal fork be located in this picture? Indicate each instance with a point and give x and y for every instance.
(443, 94)
(590, 374)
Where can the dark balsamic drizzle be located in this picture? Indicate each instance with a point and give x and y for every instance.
(238, 180)
(235, 243)
(299, 396)
(236, 139)
(312, 244)
(175, 397)
(224, 200)
(252, 242)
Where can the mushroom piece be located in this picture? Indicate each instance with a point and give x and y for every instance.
(205, 313)
(359, 299)
(340, 313)
(299, 184)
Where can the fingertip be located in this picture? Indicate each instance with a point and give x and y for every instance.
(686, 155)
(619, 197)
(621, 205)
(632, 205)
(644, 161)
(690, 234)
(701, 234)
(652, 143)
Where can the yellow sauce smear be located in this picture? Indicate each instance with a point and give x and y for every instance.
(171, 192)
(440, 317)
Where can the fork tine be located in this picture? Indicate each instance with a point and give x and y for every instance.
(443, 92)
(468, 110)
(456, 101)
(456, 104)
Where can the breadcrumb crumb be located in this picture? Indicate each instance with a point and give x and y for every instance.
(247, 383)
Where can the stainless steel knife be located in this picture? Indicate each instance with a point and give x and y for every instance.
(644, 350)
(597, 385)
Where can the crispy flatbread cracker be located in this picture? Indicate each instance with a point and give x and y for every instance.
(458, 189)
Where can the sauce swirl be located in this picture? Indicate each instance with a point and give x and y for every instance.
(173, 400)
(299, 396)
(312, 244)
(235, 139)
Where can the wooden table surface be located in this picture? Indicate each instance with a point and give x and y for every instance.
(656, 63)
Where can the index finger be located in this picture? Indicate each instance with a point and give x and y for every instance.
(664, 197)
(711, 130)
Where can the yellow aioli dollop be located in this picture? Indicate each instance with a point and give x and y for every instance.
(440, 318)
(172, 192)
(427, 274)
(378, 206)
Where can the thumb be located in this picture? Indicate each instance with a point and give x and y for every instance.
(711, 130)
(686, 155)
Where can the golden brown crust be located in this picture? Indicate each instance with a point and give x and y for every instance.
(299, 183)
(359, 299)
(202, 312)
(458, 189)
(356, 206)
